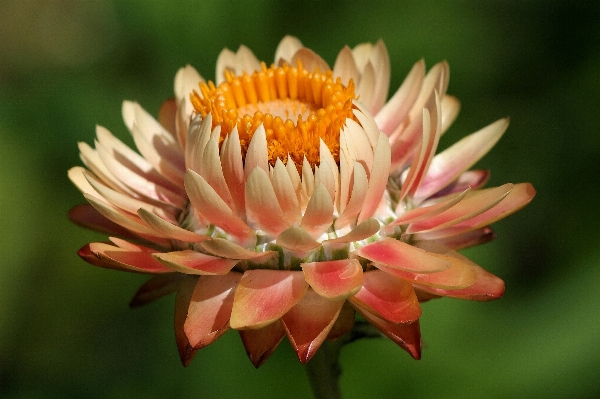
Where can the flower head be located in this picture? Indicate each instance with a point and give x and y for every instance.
(282, 200)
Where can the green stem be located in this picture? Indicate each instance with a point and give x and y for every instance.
(324, 369)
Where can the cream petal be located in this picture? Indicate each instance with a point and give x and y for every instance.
(378, 179)
(308, 323)
(297, 240)
(227, 249)
(336, 279)
(450, 163)
(405, 335)
(310, 60)
(366, 122)
(211, 170)
(167, 116)
(210, 308)
(225, 60)
(380, 60)
(257, 154)
(233, 171)
(318, 216)
(288, 46)
(325, 176)
(362, 146)
(435, 80)
(198, 136)
(187, 79)
(211, 207)
(262, 205)
(399, 255)
(261, 343)
(91, 159)
(390, 298)
(450, 108)
(475, 203)
(397, 108)
(345, 67)
(192, 262)
(327, 158)
(286, 193)
(167, 228)
(357, 198)
(239, 62)
(423, 213)
(361, 232)
(366, 86)
(263, 296)
(361, 54)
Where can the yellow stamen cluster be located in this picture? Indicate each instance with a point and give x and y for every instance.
(275, 97)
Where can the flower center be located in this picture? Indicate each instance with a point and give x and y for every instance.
(296, 108)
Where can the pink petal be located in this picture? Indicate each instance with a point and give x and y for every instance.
(449, 164)
(156, 287)
(87, 216)
(210, 308)
(182, 304)
(208, 204)
(261, 343)
(344, 322)
(296, 239)
(335, 279)
(378, 178)
(399, 255)
(262, 206)
(520, 196)
(308, 323)
(406, 335)
(318, 216)
(475, 203)
(263, 296)
(168, 229)
(192, 262)
(361, 232)
(427, 212)
(473, 179)
(129, 260)
(468, 239)
(391, 298)
(167, 115)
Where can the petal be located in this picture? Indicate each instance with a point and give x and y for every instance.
(468, 239)
(233, 170)
(366, 229)
(261, 343)
(168, 229)
(310, 60)
(357, 198)
(182, 303)
(129, 260)
(406, 335)
(344, 322)
(263, 296)
(345, 67)
(257, 154)
(308, 323)
(192, 262)
(210, 309)
(208, 204)
(450, 163)
(227, 249)
(212, 172)
(335, 279)
(287, 47)
(399, 255)
(156, 287)
(87, 216)
(473, 179)
(286, 193)
(262, 205)
(393, 299)
(296, 239)
(426, 212)
(378, 178)
(319, 212)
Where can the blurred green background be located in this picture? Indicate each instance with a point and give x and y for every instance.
(65, 66)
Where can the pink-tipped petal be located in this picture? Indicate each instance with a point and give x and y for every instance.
(361, 232)
(257, 154)
(308, 323)
(227, 249)
(473, 179)
(334, 279)
(233, 170)
(344, 322)
(182, 303)
(262, 206)
(391, 298)
(378, 178)
(210, 308)
(85, 215)
(261, 343)
(128, 260)
(468, 239)
(212, 172)
(192, 262)
(450, 163)
(405, 335)
(169, 229)
(263, 296)
(427, 212)
(400, 255)
(286, 193)
(156, 287)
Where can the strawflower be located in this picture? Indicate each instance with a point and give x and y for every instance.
(283, 199)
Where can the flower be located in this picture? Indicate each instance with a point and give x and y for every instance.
(282, 200)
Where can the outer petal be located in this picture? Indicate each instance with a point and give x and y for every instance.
(87, 216)
(129, 260)
(182, 303)
(156, 287)
(319, 212)
(308, 323)
(296, 239)
(192, 262)
(335, 279)
(263, 296)
(388, 297)
(261, 343)
(210, 308)
(227, 249)
(407, 335)
(168, 229)
(400, 255)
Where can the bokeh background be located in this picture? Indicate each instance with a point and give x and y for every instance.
(65, 328)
